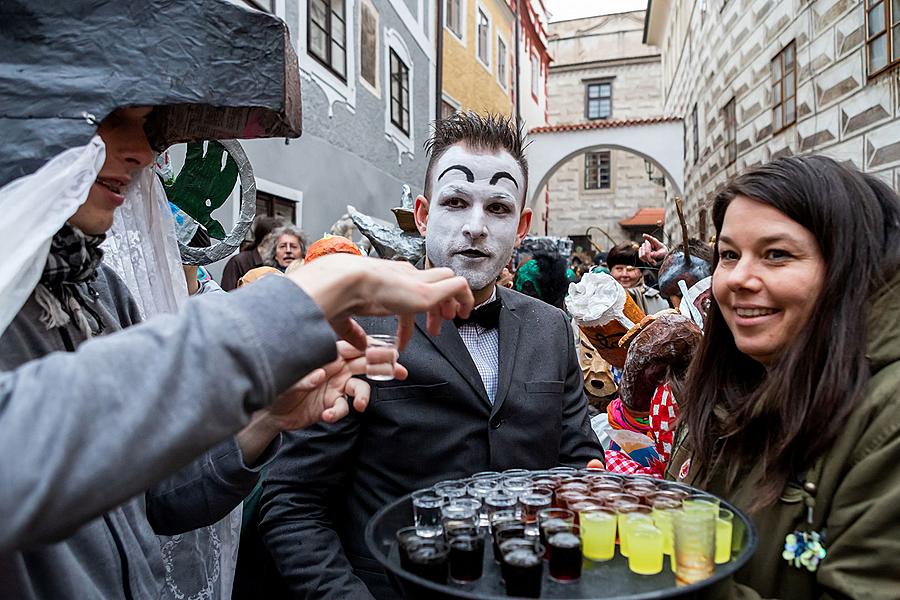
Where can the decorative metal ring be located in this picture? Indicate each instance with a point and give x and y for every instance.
(232, 241)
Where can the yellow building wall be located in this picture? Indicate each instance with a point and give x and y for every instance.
(465, 78)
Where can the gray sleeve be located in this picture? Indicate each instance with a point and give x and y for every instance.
(82, 432)
(206, 490)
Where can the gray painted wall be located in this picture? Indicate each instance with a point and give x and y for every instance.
(346, 159)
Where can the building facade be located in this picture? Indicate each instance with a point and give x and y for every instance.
(755, 80)
(480, 61)
(602, 71)
(368, 76)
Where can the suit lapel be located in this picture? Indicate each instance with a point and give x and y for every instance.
(451, 346)
(510, 325)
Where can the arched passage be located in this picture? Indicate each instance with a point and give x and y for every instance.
(659, 140)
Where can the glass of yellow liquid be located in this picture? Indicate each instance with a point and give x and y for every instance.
(646, 545)
(702, 502)
(623, 509)
(630, 521)
(598, 534)
(724, 527)
(662, 518)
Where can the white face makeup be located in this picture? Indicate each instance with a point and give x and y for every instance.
(473, 213)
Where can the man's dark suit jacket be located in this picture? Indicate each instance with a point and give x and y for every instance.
(438, 424)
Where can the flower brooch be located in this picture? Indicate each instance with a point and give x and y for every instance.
(804, 549)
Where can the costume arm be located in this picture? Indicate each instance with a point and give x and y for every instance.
(302, 491)
(135, 406)
(206, 490)
(578, 443)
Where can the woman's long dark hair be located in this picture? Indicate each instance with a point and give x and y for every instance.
(737, 412)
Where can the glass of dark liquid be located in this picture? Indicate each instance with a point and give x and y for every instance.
(466, 557)
(430, 560)
(565, 553)
(505, 531)
(523, 568)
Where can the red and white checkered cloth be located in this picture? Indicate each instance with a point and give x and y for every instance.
(619, 462)
(663, 413)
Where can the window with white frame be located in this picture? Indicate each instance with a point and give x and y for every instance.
(368, 45)
(502, 54)
(399, 93)
(327, 34)
(399, 107)
(454, 17)
(597, 171)
(483, 37)
(535, 75)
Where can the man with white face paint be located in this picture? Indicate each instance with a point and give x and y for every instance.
(499, 390)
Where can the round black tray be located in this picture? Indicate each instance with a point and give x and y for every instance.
(608, 579)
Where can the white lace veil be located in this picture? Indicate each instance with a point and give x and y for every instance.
(142, 249)
(34, 208)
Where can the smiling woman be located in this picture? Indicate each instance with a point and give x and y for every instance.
(791, 402)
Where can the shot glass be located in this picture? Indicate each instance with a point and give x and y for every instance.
(552, 519)
(500, 500)
(523, 569)
(695, 545)
(532, 503)
(430, 560)
(565, 554)
(451, 490)
(724, 529)
(381, 356)
(466, 558)
(663, 513)
(407, 538)
(623, 509)
(457, 515)
(701, 502)
(598, 534)
(646, 546)
(427, 512)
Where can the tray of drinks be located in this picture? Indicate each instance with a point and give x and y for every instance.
(560, 533)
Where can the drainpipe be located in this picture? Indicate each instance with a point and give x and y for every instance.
(518, 26)
(439, 62)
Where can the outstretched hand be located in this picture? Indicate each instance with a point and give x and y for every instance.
(322, 395)
(344, 285)
(652, 251)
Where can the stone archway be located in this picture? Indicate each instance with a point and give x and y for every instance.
(659, 140)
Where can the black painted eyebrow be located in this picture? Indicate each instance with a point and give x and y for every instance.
(470, 177)
(503, 175)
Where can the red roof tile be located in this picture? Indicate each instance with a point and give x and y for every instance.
(645, 217)
(602, 124)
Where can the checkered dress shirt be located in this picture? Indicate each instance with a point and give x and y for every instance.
(484, 347)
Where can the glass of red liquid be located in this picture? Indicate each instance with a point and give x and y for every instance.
(531, 503)
(430, 560)
(466, 557)
(565, 554)
(522, 568)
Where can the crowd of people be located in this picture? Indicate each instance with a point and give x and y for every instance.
(169, 439)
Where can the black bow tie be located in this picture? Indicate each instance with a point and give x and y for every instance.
(486, 316)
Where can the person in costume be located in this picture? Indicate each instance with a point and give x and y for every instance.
(625, 267)
(790, 407)
(248, 258)
(466, 406)
(97, 418)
